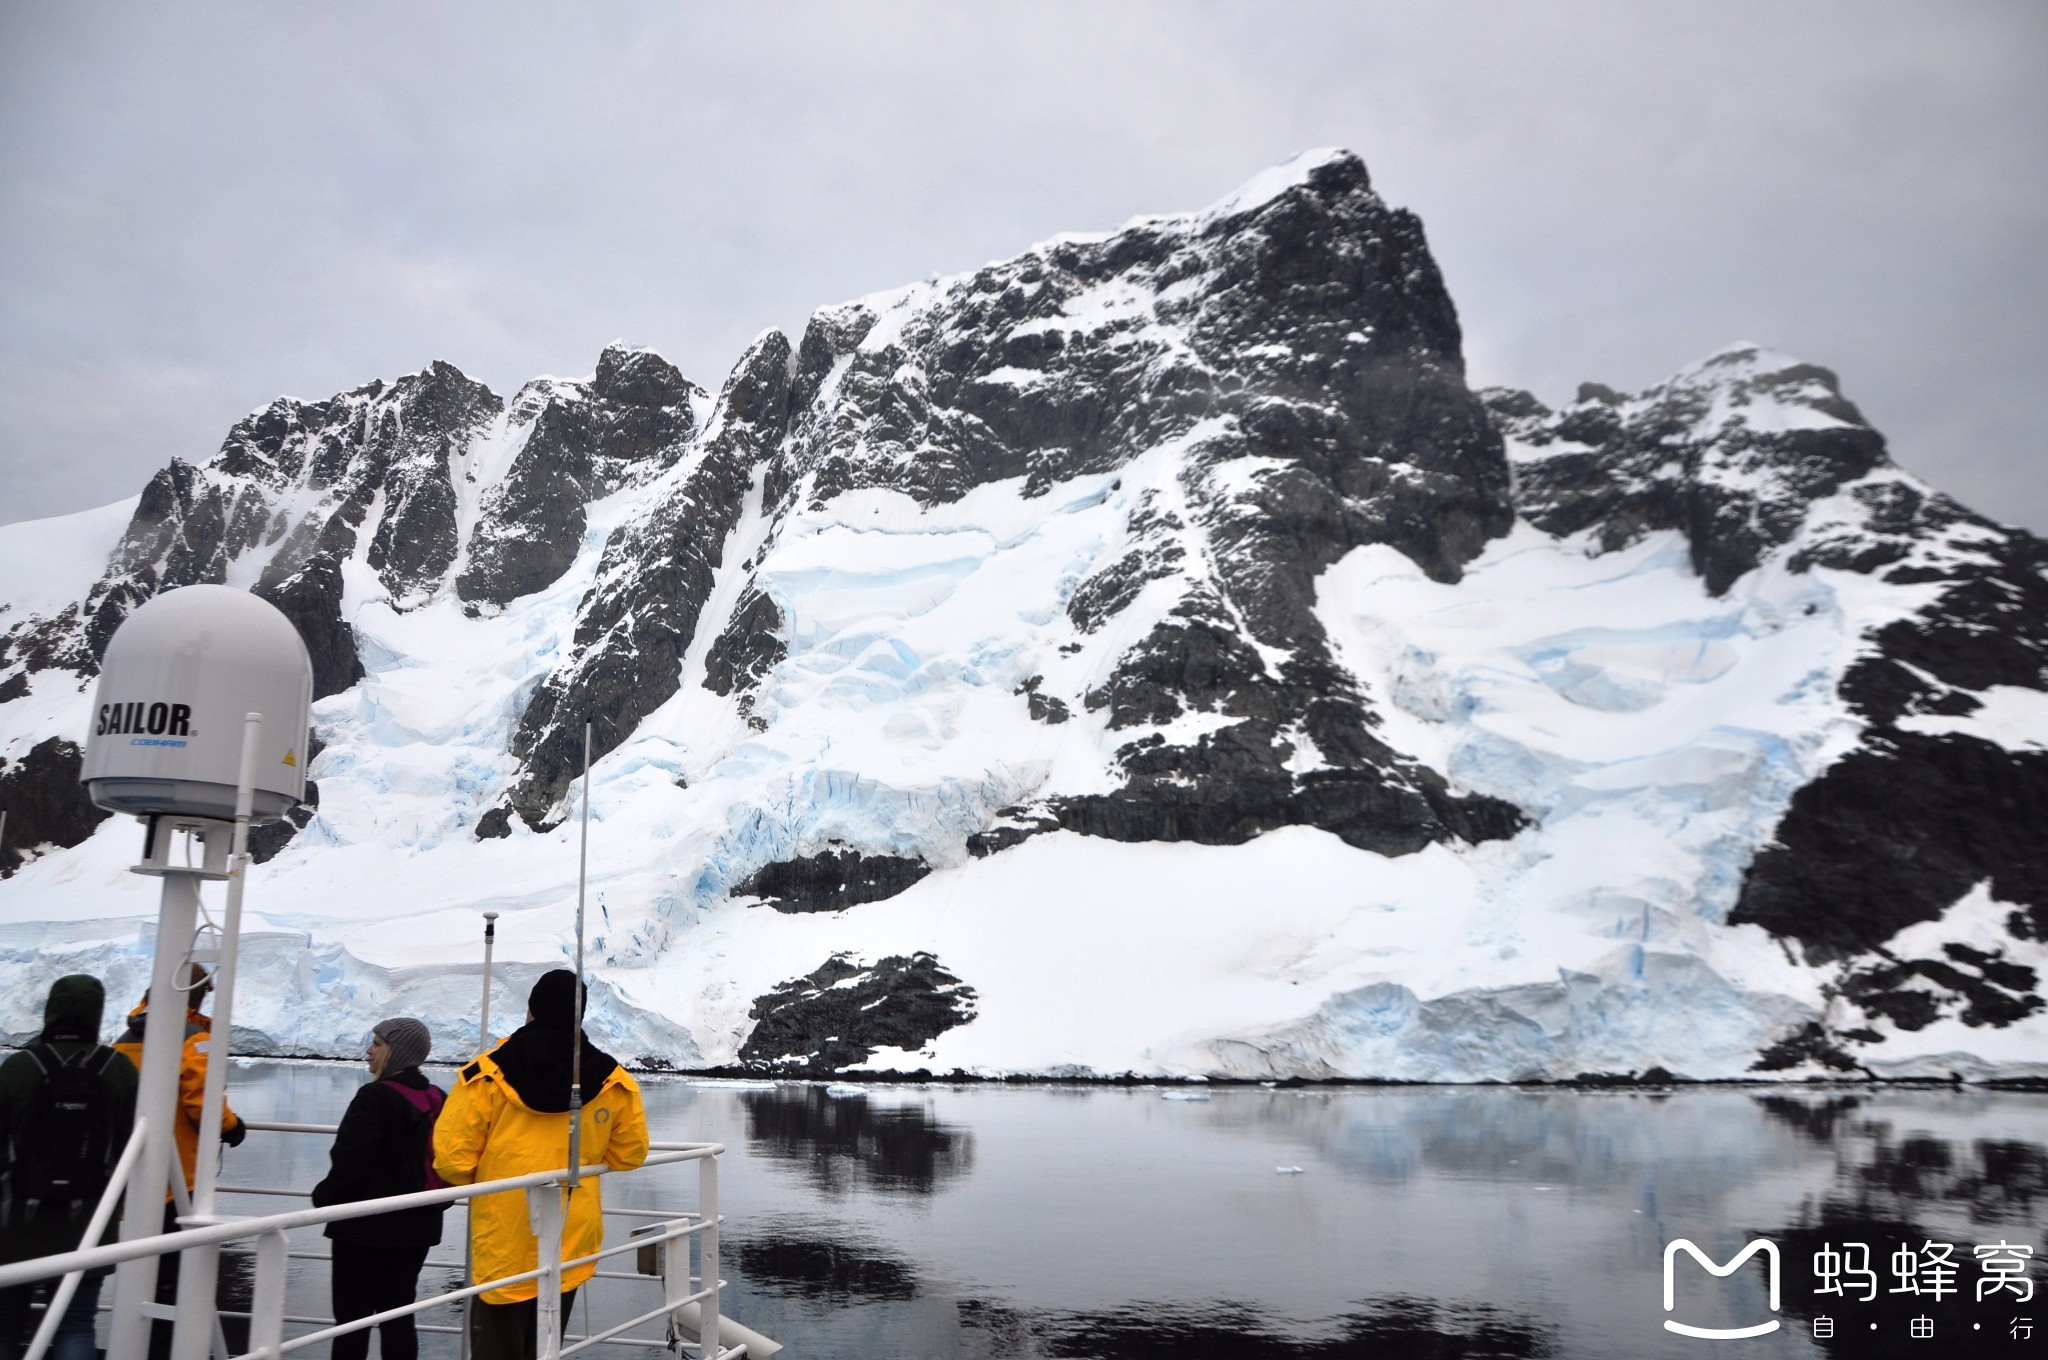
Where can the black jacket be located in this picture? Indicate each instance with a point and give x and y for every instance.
(71, 1025)
(378, 1151)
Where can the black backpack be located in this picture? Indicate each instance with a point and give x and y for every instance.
(60, 1149)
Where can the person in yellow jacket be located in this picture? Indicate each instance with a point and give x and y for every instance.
(196, 982)
(508, 1115)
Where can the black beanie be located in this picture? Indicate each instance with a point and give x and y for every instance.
(552, 1002)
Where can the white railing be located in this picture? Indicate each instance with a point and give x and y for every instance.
(690, 1303)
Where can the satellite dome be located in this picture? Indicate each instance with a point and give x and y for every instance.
(179, 676)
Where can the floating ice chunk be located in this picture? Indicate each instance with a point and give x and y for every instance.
(1183, 1095)
(1287, 1170)
(842, 1090)
(736, 1084)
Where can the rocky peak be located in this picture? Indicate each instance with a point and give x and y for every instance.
(653, 581)
(631, 376)
(582, 441)
(1288, 357)
(1732, 451)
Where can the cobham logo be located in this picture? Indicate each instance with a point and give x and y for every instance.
(1764, 1245)
(158, 720)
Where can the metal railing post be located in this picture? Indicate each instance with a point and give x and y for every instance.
(266, 1310)
(544, 1210)
(707, 1256)
(683, 1294)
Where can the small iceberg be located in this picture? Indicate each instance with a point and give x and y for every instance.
(1287, 1170)
(838, 1088)
(1183, 1095)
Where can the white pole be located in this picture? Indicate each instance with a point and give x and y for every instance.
(484, 1025)
(545, 1214)
(266, 1308)
(156, 1099)
(709, 1332)
(201, 1266)
(576, 1029)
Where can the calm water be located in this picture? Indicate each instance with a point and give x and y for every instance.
(1107, 1222)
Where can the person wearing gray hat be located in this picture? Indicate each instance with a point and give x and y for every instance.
(385, 1146)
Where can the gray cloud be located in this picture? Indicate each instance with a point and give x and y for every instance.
(206, 207)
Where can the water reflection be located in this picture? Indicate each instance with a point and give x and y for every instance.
(781, 1259)
(1024, 1223)
(850, 1143)
(1389, 1329)
(1816, 1119)
(1896, 1202)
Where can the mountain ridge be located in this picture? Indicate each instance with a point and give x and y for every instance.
(1072, 549)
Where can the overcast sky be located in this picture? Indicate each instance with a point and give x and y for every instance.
(204, 207)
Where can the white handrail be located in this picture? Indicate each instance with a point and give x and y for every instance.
(102, 1215)
(359, 1324)
(690, 1310)
(275, 1126)
(27, 1272)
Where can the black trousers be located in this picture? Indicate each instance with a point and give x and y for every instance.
(370, 1279)
(504, 1331)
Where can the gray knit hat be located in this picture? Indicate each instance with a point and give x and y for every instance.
(408, 1041)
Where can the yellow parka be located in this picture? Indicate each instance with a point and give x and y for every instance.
(191, 1084)
(486, 1132)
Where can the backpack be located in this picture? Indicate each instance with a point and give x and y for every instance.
(61, 1146)
(426, 1109)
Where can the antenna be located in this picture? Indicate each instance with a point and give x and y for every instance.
(484, 1021)
(576, 1030)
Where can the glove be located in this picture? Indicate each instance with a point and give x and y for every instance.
(233, 1135)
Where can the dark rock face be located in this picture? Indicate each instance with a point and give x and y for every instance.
(1898, 830)
(296, 482)
(831, 880)
(652, 584)
(495, 825)
(1894, 834)
(266, 842)
(1810, 1044)
(587, 440)
(751, 645)
(1356, 366)
(1687, 455)
(1235, 782)
(310, 596)
(1043, 708)
(44, 802)
(839, 1014)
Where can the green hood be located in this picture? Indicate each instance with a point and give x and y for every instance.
(75, 1007)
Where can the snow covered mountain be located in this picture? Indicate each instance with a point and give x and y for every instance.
(1143, 655)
